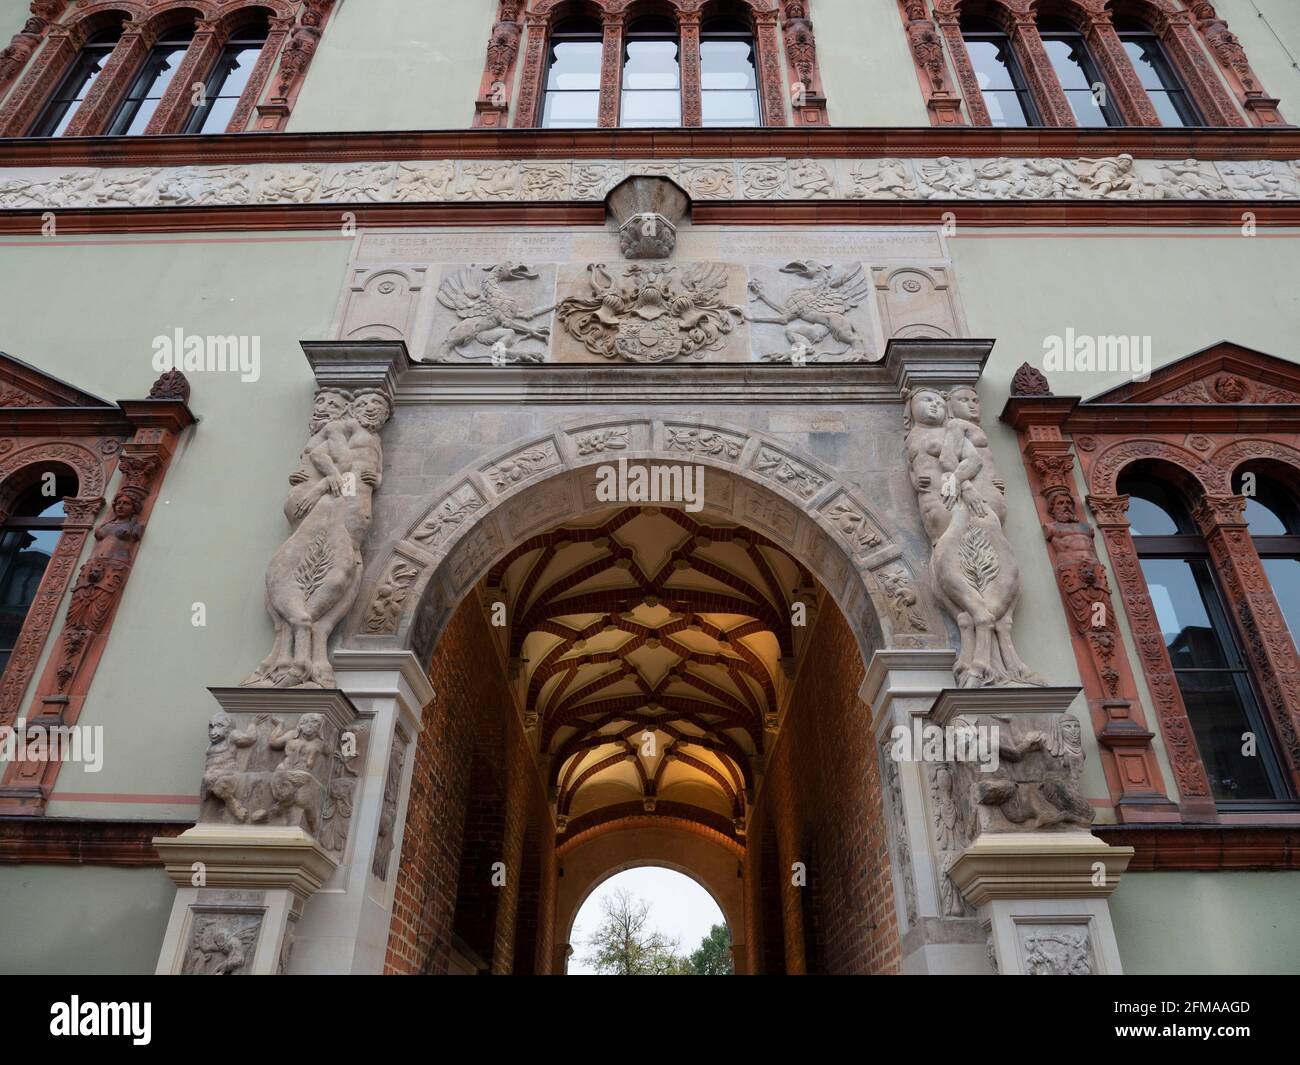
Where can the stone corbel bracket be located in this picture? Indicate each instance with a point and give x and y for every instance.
(353, 364)
(941, 363)
(646, 210)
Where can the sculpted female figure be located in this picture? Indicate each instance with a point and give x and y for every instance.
(313, 578)
(973, 568)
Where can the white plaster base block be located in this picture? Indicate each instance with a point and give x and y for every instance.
(1051, 937)
(344, 926)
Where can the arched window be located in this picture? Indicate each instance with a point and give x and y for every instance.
(1211, 671)
(728, 79)
(228, 79)
(1157, 75)
(27, 543)
(1001, 82)
(1077, 73)
(1274, 519)
(573, 76)
(75, 84)
(652, 84)
(151, 82)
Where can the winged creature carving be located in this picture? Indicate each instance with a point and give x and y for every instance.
(490, 316)
(816, 311)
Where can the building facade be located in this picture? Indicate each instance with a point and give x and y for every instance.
(847, 451)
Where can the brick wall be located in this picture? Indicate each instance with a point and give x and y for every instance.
(821, 804)
(475, 797)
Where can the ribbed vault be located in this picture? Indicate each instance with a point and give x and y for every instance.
(652, 651)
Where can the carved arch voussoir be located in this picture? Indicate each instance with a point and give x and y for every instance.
(1227, 460)
(482, 511)
(88, 466)
(1104, 471)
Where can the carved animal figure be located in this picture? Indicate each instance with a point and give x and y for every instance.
(491, 316)
(813, 312)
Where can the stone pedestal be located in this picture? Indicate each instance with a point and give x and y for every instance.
(1041, 901)
(240, 892)
(344, 928)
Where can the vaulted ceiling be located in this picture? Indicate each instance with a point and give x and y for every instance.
(653, 652)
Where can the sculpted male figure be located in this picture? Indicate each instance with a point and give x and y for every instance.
(293, 781)
(222, 778)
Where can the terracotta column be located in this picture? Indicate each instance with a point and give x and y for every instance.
(530, 80)
(768, 61)
(114, 81)
(611, 68)
(689, 24)
(279, 29)
(1260, 107)
(1053, 106)
(1265, 638)
(177, 101)
(1121, 80)
(26, 41)
(950, 26)
(62, 44)
(1195, 798)
(1184, 48)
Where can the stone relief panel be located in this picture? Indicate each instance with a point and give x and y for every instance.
(448, 181)
(916, 301)
(497, 313)
(1056, 950)
(221, 943)
(811, 311)
(643, 313)
(383, 304)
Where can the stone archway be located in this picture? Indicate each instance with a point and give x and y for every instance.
(750, 478)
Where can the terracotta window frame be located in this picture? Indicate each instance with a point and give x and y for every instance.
(1200, 50)
(1201, 419)
(785, 59)
(294, 31)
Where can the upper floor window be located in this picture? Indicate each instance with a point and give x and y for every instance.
(728, 79)
(228, 80)
(1157, 74)
(1210, 669)
(573, 76)
(652, 79)
(1274, 521)
(1078, 74)
(998, 72)
(151, 82)
(27, 543)
(75, 84)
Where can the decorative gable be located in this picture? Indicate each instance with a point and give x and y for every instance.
(1224, 373)
(23, 385)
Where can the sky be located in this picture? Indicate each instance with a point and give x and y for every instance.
(679, 908)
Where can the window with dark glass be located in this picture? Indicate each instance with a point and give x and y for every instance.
(1077, 73)
(27, 543)
(1157, 75)
(1211, 672)
(652, 85)
(572, 99)
(1273, 516)
(226, 83)
(1006, 96)
(151, 82)
(728, 81)
(76, 84)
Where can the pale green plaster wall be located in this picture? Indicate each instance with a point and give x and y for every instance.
(1185, 291)
(1222, 923)
(866, 64)
(396, 64)
(87, 310)
(87, 919)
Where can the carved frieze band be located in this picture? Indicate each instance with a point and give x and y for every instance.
(1120, 177)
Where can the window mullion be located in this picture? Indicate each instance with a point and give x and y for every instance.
(1050, 101)
(689, 59)
(176, 105)
(613, 26)
(124, 64)
(1131, 101)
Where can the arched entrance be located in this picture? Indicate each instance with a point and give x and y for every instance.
(628, 683)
